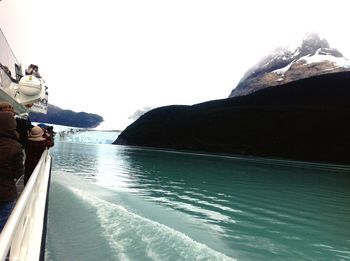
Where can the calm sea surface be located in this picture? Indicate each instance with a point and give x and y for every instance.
(121, 203)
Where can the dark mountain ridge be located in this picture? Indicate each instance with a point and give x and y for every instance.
(302, 120)
(56, 115)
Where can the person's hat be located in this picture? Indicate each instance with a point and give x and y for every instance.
(6, 106)
(36, 134)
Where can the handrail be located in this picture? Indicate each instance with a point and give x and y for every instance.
(21, 238)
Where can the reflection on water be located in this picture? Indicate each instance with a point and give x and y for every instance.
(249, 209)
(80, 160)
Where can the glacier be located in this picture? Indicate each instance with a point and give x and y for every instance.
(82, 135)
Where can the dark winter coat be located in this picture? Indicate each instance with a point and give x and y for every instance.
(34, 150)
(11, 157)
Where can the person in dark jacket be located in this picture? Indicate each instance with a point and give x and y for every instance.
(38, 141)
(23, 124)
(11, 165)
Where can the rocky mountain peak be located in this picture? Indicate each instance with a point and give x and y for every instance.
(313, 57)
(311, 43)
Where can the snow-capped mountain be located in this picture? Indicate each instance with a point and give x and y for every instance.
(313, 57)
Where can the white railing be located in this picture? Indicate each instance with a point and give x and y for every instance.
(23, 236)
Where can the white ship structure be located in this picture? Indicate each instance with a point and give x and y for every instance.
(25, 92)
(24, 235)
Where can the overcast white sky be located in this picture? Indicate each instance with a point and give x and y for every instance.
(114, 57)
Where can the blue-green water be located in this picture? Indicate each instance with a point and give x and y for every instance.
(120, 203)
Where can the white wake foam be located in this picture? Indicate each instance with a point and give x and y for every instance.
(133, 236)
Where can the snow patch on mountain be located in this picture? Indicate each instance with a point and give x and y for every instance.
(319, 57)
(283, 70)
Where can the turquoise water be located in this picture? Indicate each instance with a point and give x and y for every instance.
(121, 203)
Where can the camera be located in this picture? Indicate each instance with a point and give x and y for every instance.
(50, 131)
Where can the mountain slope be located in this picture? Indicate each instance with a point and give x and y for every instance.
(303, 120)
(314, 57)
(56, 115)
